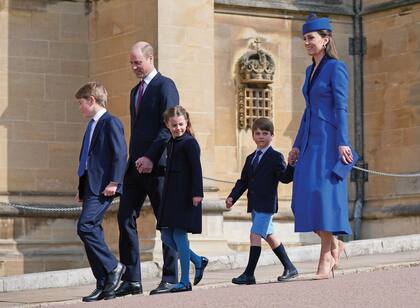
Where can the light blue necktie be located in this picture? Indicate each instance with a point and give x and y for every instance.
(85, 149)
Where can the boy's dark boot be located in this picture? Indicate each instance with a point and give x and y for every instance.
(248, 276)
(290, 270)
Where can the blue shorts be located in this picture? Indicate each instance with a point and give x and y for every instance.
(262, 224)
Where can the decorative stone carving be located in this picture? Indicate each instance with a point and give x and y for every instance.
(256, 69)
(256, 66)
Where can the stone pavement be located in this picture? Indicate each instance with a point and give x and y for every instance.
(364, 257)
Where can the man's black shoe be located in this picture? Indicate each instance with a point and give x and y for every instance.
(288, 274)
(163, 287)
(199, 271)
(113, 279)
(96, 295)
(181, 287)
(129, 287)
(244, 279)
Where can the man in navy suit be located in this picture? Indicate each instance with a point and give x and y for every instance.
(148, 101)
(263, 170)
(102, 162)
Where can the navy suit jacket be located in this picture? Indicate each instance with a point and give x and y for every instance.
(262, 183)
(107, 155)
(149, 134)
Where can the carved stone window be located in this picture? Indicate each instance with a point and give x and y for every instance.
(255, 98)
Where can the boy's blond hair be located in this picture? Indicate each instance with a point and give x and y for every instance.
(94, 89)
(263, 124)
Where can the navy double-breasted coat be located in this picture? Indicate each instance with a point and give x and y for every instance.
(183, 181)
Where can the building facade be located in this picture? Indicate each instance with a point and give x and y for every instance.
(232, 60)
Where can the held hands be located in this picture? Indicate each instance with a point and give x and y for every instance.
(229, 202)
(293, 156)
(345, 154)
(110, 189)
(197, 200)
(144, 165)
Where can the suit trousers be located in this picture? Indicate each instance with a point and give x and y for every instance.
(89, 229)
(135, 189)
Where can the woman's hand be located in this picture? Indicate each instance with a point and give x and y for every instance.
(293, 156)
(345, 154)
(110, 189)
(197, 200)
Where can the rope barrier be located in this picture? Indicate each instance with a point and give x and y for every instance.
(79, 208)
(403, 175)
(216, 180)
(46, 209)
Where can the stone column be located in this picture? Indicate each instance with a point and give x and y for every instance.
(186, 54)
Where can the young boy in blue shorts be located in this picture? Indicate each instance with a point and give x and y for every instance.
(260, 175)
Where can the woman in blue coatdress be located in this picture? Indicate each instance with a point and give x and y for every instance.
(319, 200)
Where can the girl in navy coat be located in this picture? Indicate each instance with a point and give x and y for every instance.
(319, 200)
(181, 211)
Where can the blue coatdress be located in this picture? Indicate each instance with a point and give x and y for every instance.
(319, 200)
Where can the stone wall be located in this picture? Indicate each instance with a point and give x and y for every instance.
(43, 61)
(114, 27)
(186, 54)
(392, 120)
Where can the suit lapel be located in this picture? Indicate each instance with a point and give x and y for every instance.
(149, 88)
(150, 85)
(248, 164)
(98, 127)
(306, 87)
(132, 99)
(317, 72)
(133, 104)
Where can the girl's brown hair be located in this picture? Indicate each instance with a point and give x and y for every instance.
(178, 111)
(330, 48)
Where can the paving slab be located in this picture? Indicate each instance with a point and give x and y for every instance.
(53, 297)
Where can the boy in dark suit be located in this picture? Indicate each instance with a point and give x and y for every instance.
(261, 173)
(102, 162)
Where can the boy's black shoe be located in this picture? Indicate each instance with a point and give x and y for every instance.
(113, 279)
(288, 274)
(199, 271)
(129, 287)
(96, 295)
(244, 279)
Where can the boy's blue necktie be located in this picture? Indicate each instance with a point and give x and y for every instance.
(85, 149)
(256, 160)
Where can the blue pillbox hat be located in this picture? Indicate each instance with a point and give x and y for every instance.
(313, 23)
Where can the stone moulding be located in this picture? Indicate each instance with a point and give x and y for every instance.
(256, 70)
